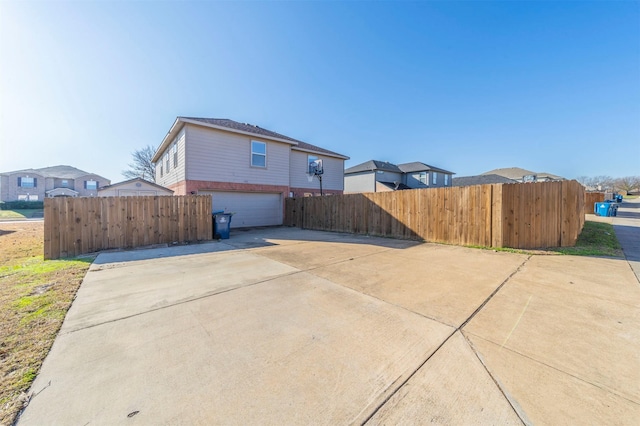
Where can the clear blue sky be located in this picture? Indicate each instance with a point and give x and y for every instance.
(466, 86)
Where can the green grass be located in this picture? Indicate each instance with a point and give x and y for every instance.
(35, 295)
(596, 239)
(17, 214)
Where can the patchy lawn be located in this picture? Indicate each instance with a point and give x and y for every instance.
(596, 239)
(34, 297)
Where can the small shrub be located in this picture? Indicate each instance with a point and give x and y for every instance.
(20, 205)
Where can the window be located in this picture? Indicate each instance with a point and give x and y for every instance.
(27, 182)
(424, 179)
(166, 161)
(161, 169)
(258, 154)
(65, 183)
(435, 178)
(174, 151)
(446, 180)
(90, 184)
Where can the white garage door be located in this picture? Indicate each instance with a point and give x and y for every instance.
(250, 208)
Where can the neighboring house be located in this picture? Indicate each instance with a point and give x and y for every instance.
(133, 187)
(523, 175)
(56, 181)
(381, 176)
(247, 169)
(481, 180)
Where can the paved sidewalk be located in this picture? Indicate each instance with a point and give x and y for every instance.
(627, 228)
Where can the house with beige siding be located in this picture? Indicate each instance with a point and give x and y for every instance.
(382, 176)
(136, 187)
(55, 181)
(247, 169)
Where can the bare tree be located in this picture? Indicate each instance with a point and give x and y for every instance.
(601, 183)
(628, 183)
(584, 180)
(142, 166)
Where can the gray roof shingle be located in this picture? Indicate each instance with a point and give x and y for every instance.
(417, 166)
(61, 172)
(396, 186)
(480, 180)
(517, 173)
(371, 165)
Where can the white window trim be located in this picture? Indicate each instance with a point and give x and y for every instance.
(259, 153)
(435, 178)
(33, 182)
(174, 152)
(424, 181)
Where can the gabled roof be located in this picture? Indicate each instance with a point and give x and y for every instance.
(134, 180)
(242, 128)
(480, 180)
(62, 191)
(61, 172)
(510, 172)
(372, 165)
(517, 173)
(417, 166)
(549, 175)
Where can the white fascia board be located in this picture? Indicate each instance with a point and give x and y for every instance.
(165, 142)
(342, 157)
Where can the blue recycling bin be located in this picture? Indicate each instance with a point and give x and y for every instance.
(606, 208)
(618, 198)
(222, 222)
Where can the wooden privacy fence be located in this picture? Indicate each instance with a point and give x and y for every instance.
(590, 198)
(530, 215)
(73, 226)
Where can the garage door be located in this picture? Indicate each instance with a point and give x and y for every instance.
(250, 208)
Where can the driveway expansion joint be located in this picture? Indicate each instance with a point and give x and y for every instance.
(521, 416)
(506, 280)
(583, 380)
(181, 302)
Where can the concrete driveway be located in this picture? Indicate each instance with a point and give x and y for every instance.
(285, 326)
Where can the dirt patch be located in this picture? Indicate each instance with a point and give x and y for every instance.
(20, 240)
(34, 298)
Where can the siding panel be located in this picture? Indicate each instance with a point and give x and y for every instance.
(226, 157)
(333, 177)
(175, 174)
(388, 177)
(359, 182)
